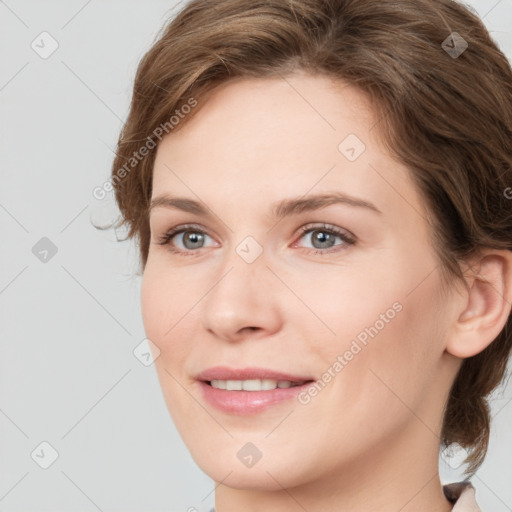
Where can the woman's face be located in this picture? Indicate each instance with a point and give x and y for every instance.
(303, 250)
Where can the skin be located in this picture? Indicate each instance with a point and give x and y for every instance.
(369, 441)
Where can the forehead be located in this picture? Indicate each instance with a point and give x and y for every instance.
(278, 110)
(261, 139)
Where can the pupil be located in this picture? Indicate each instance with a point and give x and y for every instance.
(194, 238)
(323, 237)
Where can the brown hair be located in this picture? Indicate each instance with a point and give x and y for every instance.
(447, 116)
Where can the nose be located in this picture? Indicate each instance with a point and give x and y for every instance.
(243, 302)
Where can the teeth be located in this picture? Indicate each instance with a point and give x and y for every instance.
(253, 384)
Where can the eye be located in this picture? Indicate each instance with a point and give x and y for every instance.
(323, 238)
(188, 238)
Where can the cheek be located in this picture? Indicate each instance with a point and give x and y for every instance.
(351, 305)
(169, 313)
(163, 297)
(153, 302)
(385, 326)
(158, 306)
(162, 326)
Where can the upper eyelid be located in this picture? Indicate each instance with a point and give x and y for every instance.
(310, 225)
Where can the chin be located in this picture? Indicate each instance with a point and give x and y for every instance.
(250, 479)
(271, 474)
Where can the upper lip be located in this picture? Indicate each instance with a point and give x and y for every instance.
(226, 373)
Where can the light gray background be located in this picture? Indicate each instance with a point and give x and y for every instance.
(69, 325)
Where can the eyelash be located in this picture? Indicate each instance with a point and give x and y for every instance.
(167, 237)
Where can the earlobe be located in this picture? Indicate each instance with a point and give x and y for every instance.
(486, 307)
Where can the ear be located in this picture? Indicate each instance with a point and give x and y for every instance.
(485, 306)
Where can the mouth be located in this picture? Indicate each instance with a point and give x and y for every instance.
(254, 384)
(249, 390)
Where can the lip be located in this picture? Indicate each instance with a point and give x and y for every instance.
(248, 402)
(226, 373)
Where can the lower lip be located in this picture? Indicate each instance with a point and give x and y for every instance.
(248, 402)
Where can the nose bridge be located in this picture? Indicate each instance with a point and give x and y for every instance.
(243, 266)
(240, 296)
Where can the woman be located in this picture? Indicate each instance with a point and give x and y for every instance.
(319, 194)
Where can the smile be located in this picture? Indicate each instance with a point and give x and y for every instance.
(253, 384)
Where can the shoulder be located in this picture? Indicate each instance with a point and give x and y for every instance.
(462, 494)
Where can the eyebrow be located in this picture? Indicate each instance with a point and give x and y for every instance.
(283, 208)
